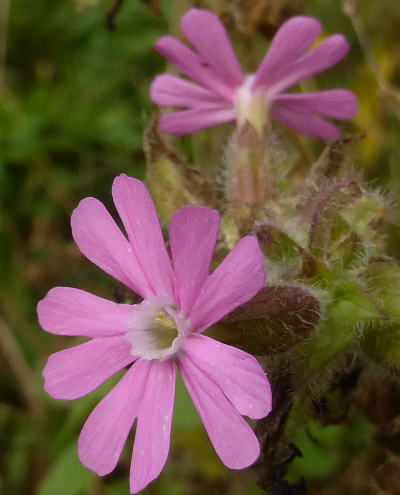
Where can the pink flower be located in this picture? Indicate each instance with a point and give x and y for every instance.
(180, 302)
(225, 94)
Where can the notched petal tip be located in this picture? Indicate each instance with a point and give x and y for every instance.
(193, 229)
(139, 217)
(209, 37)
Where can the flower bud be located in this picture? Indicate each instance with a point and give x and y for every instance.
(276, 319)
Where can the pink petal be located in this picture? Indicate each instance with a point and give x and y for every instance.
(232, 438)
(324, 56)
(236, 280)
(193, 66)
(101, 241)
(193, 233)
(236, 373)
(337, 104)
(77, 371)
(304, 122)
(139, 216)
(208, 35)
(104, 434)
(150, 450)
(188, 121)
(67, 311)
(293, 38)
(171, 91)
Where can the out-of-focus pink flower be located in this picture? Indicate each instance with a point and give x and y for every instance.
(180, 302)
(225, 94)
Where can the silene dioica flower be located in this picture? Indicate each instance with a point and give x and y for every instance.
(226, 94)
(155, 337)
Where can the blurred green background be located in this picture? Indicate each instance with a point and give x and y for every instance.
(74, 105)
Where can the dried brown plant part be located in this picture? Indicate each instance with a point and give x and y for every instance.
(244, 215)
(112, 13)
(251, 16)
(377, 395)
(124, 295)
(387, 477)
(335, 161)
(154, 6)
(171, 181)
(313, 209)
(357, 478)
(266, 16)
(309, 264)
(276, 452)
(335, 404)
(388, 435)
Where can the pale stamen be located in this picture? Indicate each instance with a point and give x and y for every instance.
(156, 330)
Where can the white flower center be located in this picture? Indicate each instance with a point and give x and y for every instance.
(156, 330)
(251, 106)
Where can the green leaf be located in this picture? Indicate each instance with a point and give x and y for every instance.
(66, 476)
(325, 346)
(384, 346)
(119, 487)
(366, 216)
(352, 305)
(382, 280)
(185, 414)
